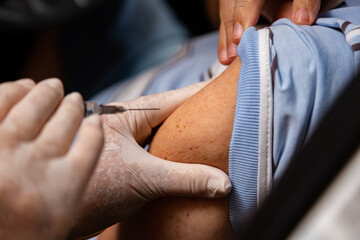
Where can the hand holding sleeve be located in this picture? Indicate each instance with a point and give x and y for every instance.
(238, 15)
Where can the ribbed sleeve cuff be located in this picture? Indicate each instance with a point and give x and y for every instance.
(244, 145)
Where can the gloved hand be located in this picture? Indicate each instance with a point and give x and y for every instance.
(127, 176)
(238, 15)
(41, 177)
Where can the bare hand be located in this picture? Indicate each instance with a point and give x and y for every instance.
(238, 15)
(42, 176)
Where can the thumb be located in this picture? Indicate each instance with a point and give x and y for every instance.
(246, 14)
(184, 179)
(305, 11)
(167, 102)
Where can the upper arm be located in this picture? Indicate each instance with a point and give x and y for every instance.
(199, 131)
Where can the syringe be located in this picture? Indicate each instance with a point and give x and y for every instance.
(95, 108)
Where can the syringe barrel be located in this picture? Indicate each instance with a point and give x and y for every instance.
(91, 108)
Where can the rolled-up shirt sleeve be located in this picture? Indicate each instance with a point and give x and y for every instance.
(289, 78)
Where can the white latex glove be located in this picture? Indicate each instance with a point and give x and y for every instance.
(127, 176)
(42, 178)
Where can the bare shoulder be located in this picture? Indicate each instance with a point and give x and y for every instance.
(199, 131)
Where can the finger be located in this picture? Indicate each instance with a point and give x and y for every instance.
(85, 152)
(167, 102)
(26, 118)
(165, 178)
(304, 12)
(222, 49)
(58, 134)
(246, 14)
(285, 11)
(11, 93)
(227, 18)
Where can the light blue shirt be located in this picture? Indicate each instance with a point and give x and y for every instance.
(300, 72)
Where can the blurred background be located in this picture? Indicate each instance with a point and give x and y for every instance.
(92, 44)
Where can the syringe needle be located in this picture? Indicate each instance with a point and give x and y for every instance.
(141, 109)
(109, 109)
(93, 107)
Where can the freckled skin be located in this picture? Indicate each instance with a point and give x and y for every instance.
(199, 131)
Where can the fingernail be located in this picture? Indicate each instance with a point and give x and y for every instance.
(238, 31)
(223, 55)
(301, 16)
(93, 119)
(219, 187)
(232, 50)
